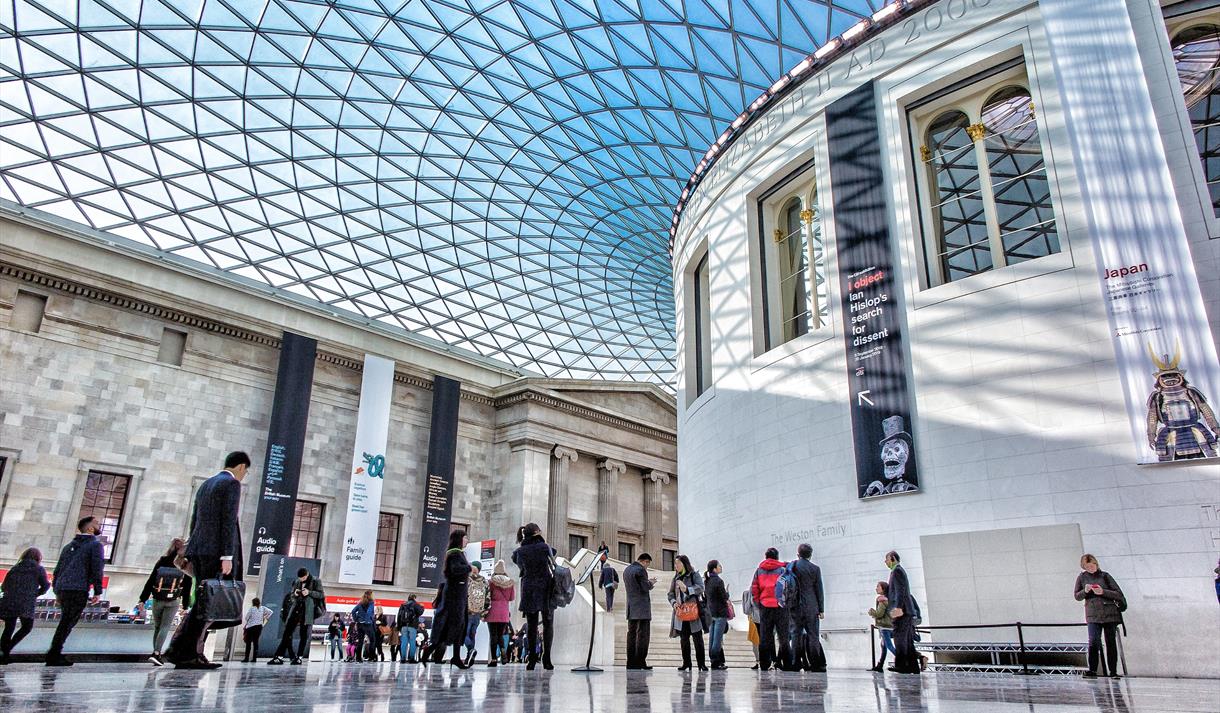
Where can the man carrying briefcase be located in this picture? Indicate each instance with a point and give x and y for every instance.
(214, 553)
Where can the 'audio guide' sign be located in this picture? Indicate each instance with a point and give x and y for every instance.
(368, 471)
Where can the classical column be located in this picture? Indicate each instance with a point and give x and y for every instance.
(608, 472)
(557, 510)
(654, 499)
(528, 486)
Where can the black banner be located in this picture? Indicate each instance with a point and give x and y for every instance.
(438, 487)
(281, 571)
(285, 446)
(878, 390)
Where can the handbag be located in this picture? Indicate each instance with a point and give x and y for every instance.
(688, 611)
(732, 612)
(221, 601)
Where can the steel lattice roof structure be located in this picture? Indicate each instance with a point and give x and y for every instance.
(499, 175)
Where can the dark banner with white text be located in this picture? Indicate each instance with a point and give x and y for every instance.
(878, 387)
(438, 484)
(285, 447)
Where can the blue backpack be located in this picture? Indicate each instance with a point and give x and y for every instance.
(785, 588)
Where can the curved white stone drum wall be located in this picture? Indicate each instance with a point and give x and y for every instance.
(1025, 453)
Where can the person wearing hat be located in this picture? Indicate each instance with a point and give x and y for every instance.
(896, 450)
(499, 616)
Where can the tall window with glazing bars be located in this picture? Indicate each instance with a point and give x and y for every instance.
(985, 195)
(793, 260)
(1195, 42)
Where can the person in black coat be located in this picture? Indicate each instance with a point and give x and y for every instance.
(717, 597)
(167, 585)
(807, 613)
(449, 619)
(906, 659)
(214, 550)
(535, 558)
(22, 586)
(80, 568)
(608, 581)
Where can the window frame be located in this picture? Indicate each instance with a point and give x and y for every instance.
(584, 543)
(135, 475)
(1179, 17)
(398, 518)
(697, 353)
(292, 533)
(970, 96)
(113, 542)
(630, 551)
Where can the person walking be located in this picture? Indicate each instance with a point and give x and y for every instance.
(300, 609)
(906, 659)
(393, 639)
(79, 570)
(407, 620)
(499, 615)
(719, 608)
(536, 561)
(478, 601)
(638, 584)
(364, 618)
(685, 590)
(214, 550)
(773, 618)
(449, 619)
(1104, 604)
(808, 611)
(381, 630)
(885, 625)
(22, 586)
(255, 618)
(167, 585)
(336, 632)
(608, 581)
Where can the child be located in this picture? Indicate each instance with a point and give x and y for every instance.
(881, 619)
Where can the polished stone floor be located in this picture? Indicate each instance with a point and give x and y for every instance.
(325, 687)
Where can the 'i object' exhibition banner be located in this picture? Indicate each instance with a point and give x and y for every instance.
(368, 471)
(1162, 343)
(878, 389)
(438, 487)
(285, 446)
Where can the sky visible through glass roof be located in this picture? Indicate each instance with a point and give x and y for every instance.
(498, 175)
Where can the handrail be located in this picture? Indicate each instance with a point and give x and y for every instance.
(1018, 625)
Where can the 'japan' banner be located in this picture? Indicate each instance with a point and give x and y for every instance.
(368, 471)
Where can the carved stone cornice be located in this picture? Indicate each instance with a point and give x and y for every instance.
(531, 444)
(585, 412)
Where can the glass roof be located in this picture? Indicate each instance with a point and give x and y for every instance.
(499, 175)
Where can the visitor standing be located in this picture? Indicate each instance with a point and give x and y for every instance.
(364, 618)
(255, 618)
(167, 585)
(407, 620)
(335, 634)
(1104, 605)
(753, 615)
(773, 618)
(353, 640)
(499, 614)
(381, 630)
(78, 571)
(808, 610)
(301, 607)
(536, 561)
(449, 619)
(885, 625)
(608, 581)
(906, 659)
(393, 639)
(719, 609)
(477, 603)
(213, 550)
(638, 584)
(685, 590)
(22, 586)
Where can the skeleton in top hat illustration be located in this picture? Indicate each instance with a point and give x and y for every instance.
(895, 452)
(1181, 424)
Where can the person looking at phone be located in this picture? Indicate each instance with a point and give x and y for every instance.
(1104, 604)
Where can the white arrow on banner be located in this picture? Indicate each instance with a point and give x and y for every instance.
(862, 398)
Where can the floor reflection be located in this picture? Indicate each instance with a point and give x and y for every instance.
(327, 687)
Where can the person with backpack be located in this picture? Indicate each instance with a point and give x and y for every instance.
(449, 619)
(808, 610)
(407, 621)
(608, 582)
(80, 569)
(1104, 604)
(685, 591)
(773, 582)
(902, 612)
(477, 603)
(167, 585)
(536, 560)
(302, 606)
(22, 586)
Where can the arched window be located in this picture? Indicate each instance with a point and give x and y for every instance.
(989, 198)
(1196, 54)
(793, 271)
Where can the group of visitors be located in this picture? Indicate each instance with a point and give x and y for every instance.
(786, 605)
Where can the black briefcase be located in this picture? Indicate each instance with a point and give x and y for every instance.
(221, 602)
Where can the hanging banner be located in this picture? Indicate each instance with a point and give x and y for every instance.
(368, 471)
(878, 392)
(438, 486)
(285, 446)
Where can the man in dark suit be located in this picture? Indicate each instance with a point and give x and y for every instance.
(214, 550)
(639, 611)
(808, 611)
(906, 659)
